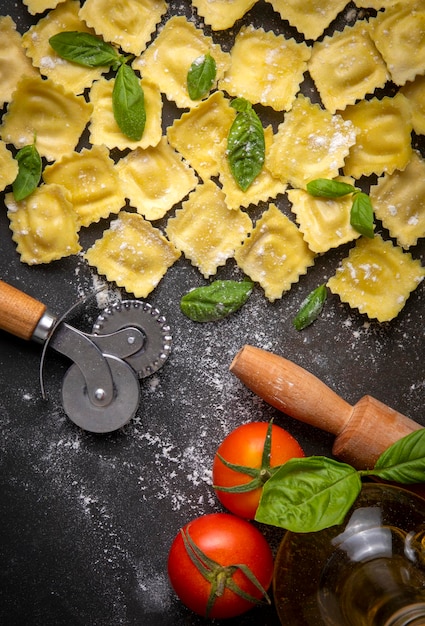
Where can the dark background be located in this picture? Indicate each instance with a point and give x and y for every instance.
(86, 521)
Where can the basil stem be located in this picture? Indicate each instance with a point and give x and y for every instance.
(245, 144)
(201, 76)
(361, 216)
(310, 308)
(216, 300)
(128, 103)
(29, 172)
(325, 188)
(85, 49)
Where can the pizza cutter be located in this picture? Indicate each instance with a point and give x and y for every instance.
(100, 391)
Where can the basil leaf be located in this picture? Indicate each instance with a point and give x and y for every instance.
(404, 461)
(310, 308)
(309, 494)
(29, 172)
(325, 188)
(128, 103)
(361, 216)
(201, 76)
(245, 144)
(84, 49)
(215, 301)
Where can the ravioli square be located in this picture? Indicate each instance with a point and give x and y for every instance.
(346, 67)
(92, 180)
(275, 254)
(39, 6)
(133, 254)
(266, 68)
(8, 166)
(13, 62)
(199, 134)
(415, 93)
(206, 231)
(222, 14)
(264, 187)
(399, 202)
(104, 129)
(399, 35)
(376, 278)
(44, 225)
(71, 76)
(44, 109)
(384, 141)
(324, 222)
(168, 59)
(310, 17)
(310, 143)
(156, 179)
(129, 24)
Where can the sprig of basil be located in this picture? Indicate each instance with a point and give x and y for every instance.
(85, 49)
(201, 76)
(313, 493)
(29, 172)
(361, 214)
(128, 102)
(245, 144)
(216, 300)
(310, 308)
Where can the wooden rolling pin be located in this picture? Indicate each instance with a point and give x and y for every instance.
(362, 432)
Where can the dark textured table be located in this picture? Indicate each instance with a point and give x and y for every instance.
(87, 520)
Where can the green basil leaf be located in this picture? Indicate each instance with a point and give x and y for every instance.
(215, 301)
(128, 103)
(361, 216)
(245, 144)
(326, 188)
(201, 76)
(404, 461)
(29, 172)
(309, 494)
(310, 308)
(84, 49)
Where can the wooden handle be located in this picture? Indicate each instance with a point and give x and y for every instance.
(362, 432)
(291, 389)
(19, 313)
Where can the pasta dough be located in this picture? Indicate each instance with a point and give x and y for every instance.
(275, 255)
(167, 61)
(8, 167)
(133, 254)
(13, 62)
(44, 225)
(399, 202)
(92, 181)
(384, 141)
(127, 23)
(309, 17)
(71, 76)
(206, 231)
(310, 143)
(156, 179)
(222, 14)
(376, 278)
(266, 68)
(39, 108)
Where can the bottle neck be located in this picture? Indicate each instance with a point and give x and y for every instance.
(411, 615)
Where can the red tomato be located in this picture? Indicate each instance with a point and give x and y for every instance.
(244, 446)
(227, 540)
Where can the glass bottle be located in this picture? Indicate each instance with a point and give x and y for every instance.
(368, 571)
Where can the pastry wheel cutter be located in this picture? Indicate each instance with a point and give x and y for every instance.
(130, 340)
